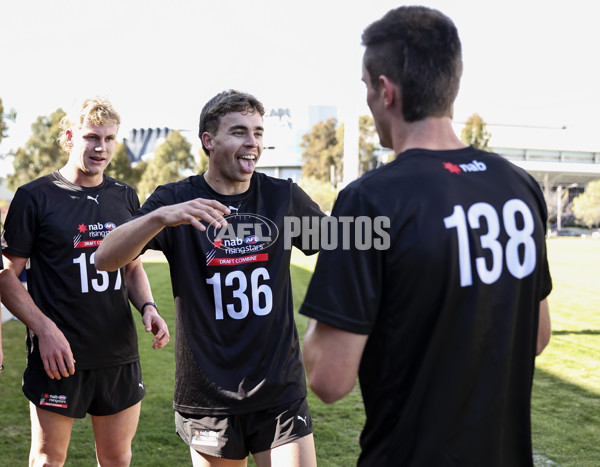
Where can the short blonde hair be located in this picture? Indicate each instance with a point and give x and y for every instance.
(97, 110)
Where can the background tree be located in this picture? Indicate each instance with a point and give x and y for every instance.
(202, 162)
(120, 167)
(475, 133)
(323, 148)
(586, 206)
(172, 161)
(367, 144)
(4, 117)
(41, 154)
(322, 193)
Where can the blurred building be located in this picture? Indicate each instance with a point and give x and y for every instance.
(284, 129)
(141, 142)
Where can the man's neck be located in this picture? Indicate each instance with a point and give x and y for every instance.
(76, 177)
(225, 187)
(432, 133)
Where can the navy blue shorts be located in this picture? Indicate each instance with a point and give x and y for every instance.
(234, 436)
(103, 391)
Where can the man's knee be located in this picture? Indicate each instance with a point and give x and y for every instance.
(46, 457)
(114, 457)
(50, 437)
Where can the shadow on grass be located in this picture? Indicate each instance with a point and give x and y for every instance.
(565, 421)
(585, 332)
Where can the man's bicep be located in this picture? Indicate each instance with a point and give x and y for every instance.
(14, 263)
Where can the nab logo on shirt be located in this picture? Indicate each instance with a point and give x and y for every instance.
(244, 239)
(246, 231)
(474, 166)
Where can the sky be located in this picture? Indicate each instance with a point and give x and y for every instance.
(527, 63)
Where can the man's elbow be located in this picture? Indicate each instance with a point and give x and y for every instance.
(544, 327)
(542, 342)
(327, 390)
(103, 262)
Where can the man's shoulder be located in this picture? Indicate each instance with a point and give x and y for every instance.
(181, 190)
(185, 183)
(115, 183)
(373, 178)
(268, 179)
(39, 182)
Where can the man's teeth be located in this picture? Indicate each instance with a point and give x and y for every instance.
(251, 157)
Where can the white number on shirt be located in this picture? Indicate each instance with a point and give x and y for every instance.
(101, 283)
(489, 241)
(238, 280)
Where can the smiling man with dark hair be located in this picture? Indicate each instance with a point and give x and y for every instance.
(240, 386)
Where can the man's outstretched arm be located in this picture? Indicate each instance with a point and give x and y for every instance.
(124, 244)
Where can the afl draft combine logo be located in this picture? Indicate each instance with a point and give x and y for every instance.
(244, 239)
(95, 233)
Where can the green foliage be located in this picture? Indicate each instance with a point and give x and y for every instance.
(323, 149)
(3, 118)
(120, 167)
(366, 143)
(41, 154)
(170, 162)
(321, 192)
(475, 133)
(586, 206)
(202, 162)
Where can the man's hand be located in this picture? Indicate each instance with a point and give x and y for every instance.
(123, 244)
(155, 324)
(193, 212)
(55, 352)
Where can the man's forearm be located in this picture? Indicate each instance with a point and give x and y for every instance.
(123, 244)
(138, 285)
(19, 302)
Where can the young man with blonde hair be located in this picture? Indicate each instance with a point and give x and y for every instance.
(82, 350)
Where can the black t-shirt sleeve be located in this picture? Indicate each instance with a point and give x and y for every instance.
(21, 224)
(546, 277)
(345, 288)
(304, 207)
(159, 198)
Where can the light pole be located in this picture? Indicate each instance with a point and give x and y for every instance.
(559, 206)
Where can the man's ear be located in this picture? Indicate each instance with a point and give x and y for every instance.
(207, 140)
(389, 90)
(69, 135)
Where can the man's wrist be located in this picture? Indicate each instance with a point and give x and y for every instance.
(143, 307)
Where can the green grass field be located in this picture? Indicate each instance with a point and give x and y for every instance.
(566, 394)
